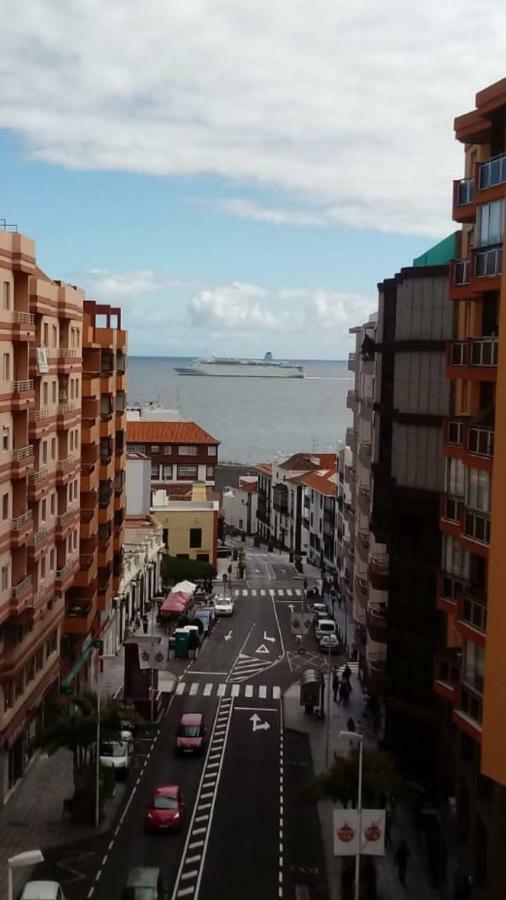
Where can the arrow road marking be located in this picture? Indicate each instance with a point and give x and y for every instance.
(262, 649)
(291, 607)
(257, 724)
(268, 638)
(78, 876)
(228, 636)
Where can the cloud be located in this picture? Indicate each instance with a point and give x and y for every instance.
(234, 307)
(120, 285)
(343, 110)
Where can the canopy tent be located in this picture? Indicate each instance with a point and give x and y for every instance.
(184, 587)
(175, 602)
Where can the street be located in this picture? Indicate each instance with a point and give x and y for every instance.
(237, 840)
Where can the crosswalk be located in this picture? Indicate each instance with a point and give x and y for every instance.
(276, 593)
(222, 689)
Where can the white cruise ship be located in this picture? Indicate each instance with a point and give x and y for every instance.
(243, 368)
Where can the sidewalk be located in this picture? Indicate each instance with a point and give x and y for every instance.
(388, 885)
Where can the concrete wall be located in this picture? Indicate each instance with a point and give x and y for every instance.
(138, 486)
(417, 460)
(423, 311)
(421, 386)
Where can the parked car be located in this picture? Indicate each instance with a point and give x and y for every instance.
(165, 810)
(325, 626)
(42, 890)
(117, 755)
(224, 606)
(329, 643)
(191, 734)
(146, 883)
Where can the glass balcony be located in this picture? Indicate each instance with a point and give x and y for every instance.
(492, 172)
(488, 263)
(465, 191)
(455, 433)
(471, 703)
(480, 441)
(461, 271)
(473, 609)
(484, 351)
(476, 526)
(452, 507)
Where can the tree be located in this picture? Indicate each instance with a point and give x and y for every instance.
(340, 783)
(176, 569)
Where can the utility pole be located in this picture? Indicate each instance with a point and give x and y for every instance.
(98, 647)
(152, 680)
(327, 740)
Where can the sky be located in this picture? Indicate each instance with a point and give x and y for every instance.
(237, 175)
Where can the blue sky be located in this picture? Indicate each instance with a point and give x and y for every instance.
(238, 176)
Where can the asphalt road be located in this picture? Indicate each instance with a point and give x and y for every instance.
(237, 841)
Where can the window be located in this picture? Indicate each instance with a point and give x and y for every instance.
(8, 695)
(490, 223)
(167, 450)
(203, 557)
(474, 658)
(212, 451)
(6, 370)
(45, 393)
(478, 490)
(55, 336)
(5, 507)
(51, 644)
(187, 450)
(44, 452)
(455, 558)
(43, 567)
(167, 473)
(43, 510)
(46, 335)
(187, 472)
(51, 561)
(155, 448)
(155, 471)
(6, 295)
(53, 504)
(53, 448)
(39, 659)
(195, 537)
(455, 477)
(30, 670)
(136, 448)
(4, 583)
(5, 437)
(209, 472)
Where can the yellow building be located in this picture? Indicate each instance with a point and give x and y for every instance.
(188, 515)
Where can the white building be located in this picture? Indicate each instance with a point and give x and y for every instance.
(240, 505)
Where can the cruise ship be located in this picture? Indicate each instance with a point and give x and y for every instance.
(249, 368)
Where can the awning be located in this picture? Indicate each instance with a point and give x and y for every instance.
(184, 587)
(175, 602)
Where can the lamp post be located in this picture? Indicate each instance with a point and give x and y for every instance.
(152, 681)
(356, 736)
(98, 645)
(28, 858)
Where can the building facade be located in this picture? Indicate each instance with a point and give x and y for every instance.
(180, 452)
(40, 422)
(240, 505)
(189, 517)
(471, 672)
(264, 502)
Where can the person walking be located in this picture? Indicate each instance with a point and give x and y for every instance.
(402, 855)
(344, 692)
(335, 684)
(145, 623)
(350, 724)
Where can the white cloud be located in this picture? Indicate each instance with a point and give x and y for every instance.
(121, 285)
(345, 110)
(233, 307)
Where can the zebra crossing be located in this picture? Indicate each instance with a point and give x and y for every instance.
(275, 593)
(223, 689)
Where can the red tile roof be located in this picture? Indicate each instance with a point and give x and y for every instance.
(144, 432)
(266, 468)
(320, 481)
(304, 462)
(249, 486)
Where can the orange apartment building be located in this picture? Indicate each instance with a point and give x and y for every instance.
(91, 609)
(40, 425)
(471, 673)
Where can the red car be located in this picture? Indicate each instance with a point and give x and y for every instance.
(165, 812)
(191, 734)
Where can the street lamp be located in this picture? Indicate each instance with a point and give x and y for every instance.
(28, 858)
(356, 736)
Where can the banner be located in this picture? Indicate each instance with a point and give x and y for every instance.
(153, 651)
(42, 363)
(346, 832)
(300, 623)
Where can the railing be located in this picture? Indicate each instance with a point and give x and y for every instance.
(364, 453)
(458, 353)
(363, 539)
(465, 191)
(23, 318)
(488, 263)
(447, 670)
(23, 453)
(38, 414)
(455, 433)
(23, 519)
(461, 271)
(471, 703)
(492, 172)
(451, 587)
(477, 526)
(351, 438)
(38, 536)
(352, 400)
(65, 465)
(79, 611)
(64, 408)
(22, 386)
(484, 351)
(66, 517)
(361, 583)
(481, 441)
(19, 589)
(62, 573)
(380, 562)
(473, 610)
(69, 353)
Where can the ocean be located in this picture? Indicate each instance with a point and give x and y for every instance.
(254, 418)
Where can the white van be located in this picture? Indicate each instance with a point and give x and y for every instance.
(325, 626)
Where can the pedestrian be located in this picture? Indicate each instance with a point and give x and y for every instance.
(137, 619)
(344, 693)
(335, 684)
(145, 623)
(402, 855)
(339, 599)
(347, 672)
(350, 724)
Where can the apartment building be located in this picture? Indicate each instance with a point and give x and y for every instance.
(471, 673)
(40, 423)
(91, 607)
(411, 400)
(180, 452)
(240, 505)
(319, 517)
(345, 524)
(264, 502)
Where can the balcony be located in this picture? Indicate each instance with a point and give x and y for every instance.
(463, 200)
(39, 536)
(351, 439)
(488, 263)
(473, 610)
(21, 528)
(376, 622)
(364, 499)
(480, 441)
(470, 706)
(352, 362)
(68, 358)
(350, 476)
(455, 433)
(352, 400)
(363, 544)
(67, 412)
(22, 461)
(379, 571)
(64, 575)
(24, 386)
(89, 523)
(461, 272)
(476, 527)
(37, 422)
(492, 172)
(23, 325)
(79, 615)
(452, 509)
(65, 521)
(22, 589)
(450, 590)
(447, 673)
(473, 352)
(66, 468)
(366, 409)
(361, 587)
(22, 393)
(364, 454)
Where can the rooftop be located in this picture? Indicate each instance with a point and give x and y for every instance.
(303, 462)
(145, 432)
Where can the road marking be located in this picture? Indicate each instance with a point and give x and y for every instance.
(253, 592)
(90, 892)
(215, 756)
(186, 891)
(228, 635)
(208, 689)
(271, 592)
(202, 818)
(245, 593)
(297, 592)
(280, 593)
(98, 875)
(111, 845)
(194, 859)
(199, 830)
(180, 688)
(248, 690)
(208, 794)
(194, 687)
(213, 765)
(257, 724)
(276, 692)
(267, 638)
(221, 689)
(190, 874)
(236, 690)
(289, 592)
(256, 709)
(262, 692)
(262, 649)
(262, 593)
(195, 672)
(195, 845)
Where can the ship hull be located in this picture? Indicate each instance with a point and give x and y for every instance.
(241, 371)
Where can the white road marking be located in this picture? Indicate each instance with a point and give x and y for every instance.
(262, 692)
(202, 818)
(186, 892)
(199, 830)
(193, 859)
(180, 688)
(289, 592)
(271, 592)
(297, 592)
(280, 593)
(207, 795)
(208, 689)
(262, 593)
(235, 690)
(253, 592)
(248, 690)
(276, 692)
(221, 689)
(91, 892)
(194, 687)
(195, 845)
(245, 593)
(190, 874)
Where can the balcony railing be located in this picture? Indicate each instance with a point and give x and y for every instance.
(37, 477)
(69, 353)
(351, 439)
(22, 453)
(39, 536)
(38, 414)
(477, 526)
(22, 386)
(22, 520)
(352, 400)
(451, 587)
(64, 408)
(465, 191)
(481, 441)
(352, 361)
(488, 263)
(484, 351)
(473, 610)
(471, 703)
(447, 669)
(62, 573)
(23, 318)
(21, 587)
(492, 172)
(364, 453)
(66, 517)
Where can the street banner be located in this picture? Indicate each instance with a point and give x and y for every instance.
(152, 651)
(300, 623)
(346, 832)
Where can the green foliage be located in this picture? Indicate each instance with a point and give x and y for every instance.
(175, 569)
(340, 782)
